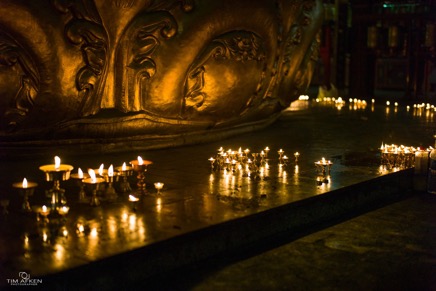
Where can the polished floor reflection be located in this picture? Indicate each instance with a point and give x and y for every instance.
(194, 196)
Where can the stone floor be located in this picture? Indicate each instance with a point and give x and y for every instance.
(197, 204)
(391, 248)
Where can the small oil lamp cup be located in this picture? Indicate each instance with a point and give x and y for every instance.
(42, 213)
(323, 167)
(79, 179)
(25, 191)
(140, 169)
(93, 184)
(133, 201)
(158, 186)
(285, 160)
(296, 155)
(56, 174)
(266, 152)
(125, 174)
(63, 211)
(212, 162)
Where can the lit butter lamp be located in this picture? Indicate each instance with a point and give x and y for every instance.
(296, 155)
(158, 186)
(110, 194)
(79, 176)
(57, 172)
(93, 182)
(125, 172)
(133, 201)
(323, 167)
(42, 213)
(140, 167)
(26, 189)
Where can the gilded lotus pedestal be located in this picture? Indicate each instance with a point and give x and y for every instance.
(102, 76)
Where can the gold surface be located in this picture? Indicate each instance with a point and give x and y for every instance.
(90, 69)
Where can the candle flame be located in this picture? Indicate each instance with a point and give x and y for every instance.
(57, 162)
(297, 154)
(140, 161)
(323, 160)
(100, 170)
(80, 173)
(124, 167)
(24, 183)
(91, 173)
(158, 185)
(44, 208)
(111, 171)
(133, 198)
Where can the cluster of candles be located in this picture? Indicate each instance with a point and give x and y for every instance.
(245, 160)
(420, 109)
(400, 156)
(99, 182)
(339, 102)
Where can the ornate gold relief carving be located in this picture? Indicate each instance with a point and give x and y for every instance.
(81, 70)
(240, 47)
(12, 55)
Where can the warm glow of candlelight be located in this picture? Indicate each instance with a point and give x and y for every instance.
(111, 171)
(124, 167)
(91, 173)
(158, 185)
(133, 198)
(296, 154)
(140, 161)
(24, 183)
(80, 173)
(101, 170)
(64, 210)
(44, 208)
(57, 162)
